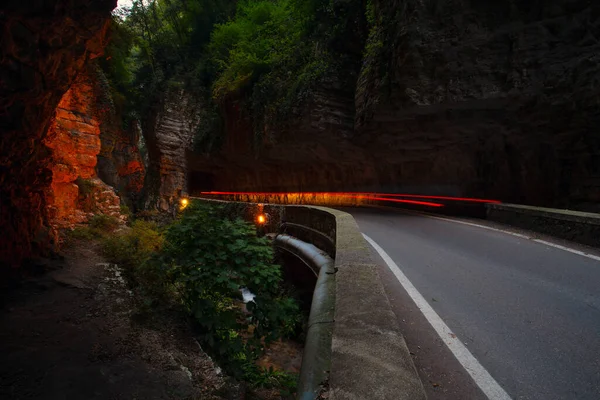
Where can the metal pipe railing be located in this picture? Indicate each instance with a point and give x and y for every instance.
(316, 359)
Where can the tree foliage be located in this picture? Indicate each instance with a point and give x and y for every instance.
(154, 43)
(268, 54)
(264, 35)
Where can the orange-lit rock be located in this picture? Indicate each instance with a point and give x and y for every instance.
(130, 168)
(45, 44)
(133, 174)
(74, 140)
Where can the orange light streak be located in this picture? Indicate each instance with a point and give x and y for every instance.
(332, 194)
(362, 194)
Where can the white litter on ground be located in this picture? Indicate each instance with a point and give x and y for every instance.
(247, 295)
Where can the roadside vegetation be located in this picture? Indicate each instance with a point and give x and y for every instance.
(198, 265)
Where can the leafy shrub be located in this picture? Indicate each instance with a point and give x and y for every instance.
(86, 186)
(82, 233)
(133, 247)
(98, 227)
(270, 378)
(104, 223)
(125, 210)
(263, 34)
(209, 258)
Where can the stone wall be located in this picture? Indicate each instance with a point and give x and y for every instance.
(44, 46)
(575, 226)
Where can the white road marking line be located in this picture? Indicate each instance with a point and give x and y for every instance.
(482, 378)
(519, 235)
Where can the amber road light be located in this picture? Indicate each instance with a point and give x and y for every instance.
(261, 219)
(184, 203)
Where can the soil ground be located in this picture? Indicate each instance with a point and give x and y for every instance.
(70, 332)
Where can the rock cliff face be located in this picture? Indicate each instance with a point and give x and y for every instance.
(120, 164)
(492, 99)
(74, 140)
(169, 132)
(489, 99)
(314, 153)
(44, 46)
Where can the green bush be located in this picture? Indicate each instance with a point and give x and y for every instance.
(263, 34)
(104, 223)
(133, 247)
(98, 227)
(125, 210)
(209, 258)
(270, 378)
(82, 233)
(86, 186)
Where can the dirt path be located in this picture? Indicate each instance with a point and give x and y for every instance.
(69, 334)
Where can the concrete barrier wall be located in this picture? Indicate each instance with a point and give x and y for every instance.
(576, 226)
(311, 225)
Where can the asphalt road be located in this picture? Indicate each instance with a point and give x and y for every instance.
(529, 313)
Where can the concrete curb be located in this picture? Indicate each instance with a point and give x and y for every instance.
(370, 359)
(579, 227)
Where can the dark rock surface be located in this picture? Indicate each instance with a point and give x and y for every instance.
(497, 99)
(120, 163)
(461, 98)
(314, 153)
(44, 45)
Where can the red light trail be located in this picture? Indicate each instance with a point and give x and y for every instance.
(421, 203)
(467, 199)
